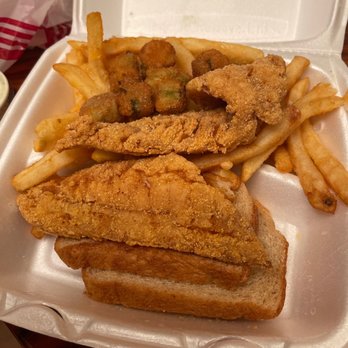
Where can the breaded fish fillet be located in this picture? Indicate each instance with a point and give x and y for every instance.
(159, 202)
(250, 90)
(191, 132)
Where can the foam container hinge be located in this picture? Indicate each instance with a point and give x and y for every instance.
(38, 292)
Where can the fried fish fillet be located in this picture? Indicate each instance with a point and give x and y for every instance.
(191, 132)
(250, 90)
(159, 202)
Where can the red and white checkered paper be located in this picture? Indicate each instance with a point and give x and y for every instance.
(31, 23)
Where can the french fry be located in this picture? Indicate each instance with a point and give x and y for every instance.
(78, 79)
(75, 57)
(272, 136)
(96, 67)
(333, 171)
(312, 181)
(321, 90)
(184, 57)
(319, 107)
(118, 45)
(79, 100)
(49, 130)
(101, 156)
(226, 165)
(299, 89)
(94, 36)
(238, 54)
(80, 46)
(282, 160)
(47, 166)
(295, 69)
(251, 165)
(97, 72)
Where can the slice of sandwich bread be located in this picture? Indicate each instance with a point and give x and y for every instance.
(260, 297)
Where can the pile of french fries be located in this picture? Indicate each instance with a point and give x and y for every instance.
(293, 144)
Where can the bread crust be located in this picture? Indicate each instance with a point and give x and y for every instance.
(150, 262)
(261, 297)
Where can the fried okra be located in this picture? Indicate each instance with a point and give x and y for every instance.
(156, 75)
(157, 54)
(170, 97)
(207, 61)
(169, 88)
(102, 108)
(135, 99)
(123, 66)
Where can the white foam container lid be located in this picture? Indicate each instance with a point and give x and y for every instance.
(38, 292)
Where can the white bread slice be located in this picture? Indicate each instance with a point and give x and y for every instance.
(261, 297)
(149, 262)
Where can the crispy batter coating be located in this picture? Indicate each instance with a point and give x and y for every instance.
(135, 99)
(159, 202)
(207, 61)
(169, 88)
(255, 89)
(170, 97)
(154, 76)
(192, 132)
(157, 54)
(102, 107)
(126, 65)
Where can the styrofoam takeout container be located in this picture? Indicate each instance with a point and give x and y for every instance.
(38, 292)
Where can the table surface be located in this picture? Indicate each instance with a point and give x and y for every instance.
(16, 75)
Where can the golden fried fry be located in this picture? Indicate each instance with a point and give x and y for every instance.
(94, 36)
(251, 165)
(332, 170)
(312, 182)
(76, 57)
(226, 165)
(321, 90)
(96, 67)
(319, 106)
(97, 72)
(80, 46)
(295, 70)
(78, 79)
(49, 130)
(47, 166)
(118, 45)
(103, 156)
(299, 89)
(184, 57)
(238, 54)
(282, 160)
